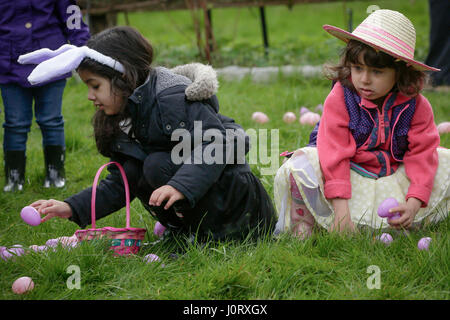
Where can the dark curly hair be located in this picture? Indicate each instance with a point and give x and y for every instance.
(135, 53)
(409, 81)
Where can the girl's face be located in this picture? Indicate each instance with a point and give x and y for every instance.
(372, 83)
(100, 93)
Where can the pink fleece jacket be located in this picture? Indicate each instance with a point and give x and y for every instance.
(337, 147)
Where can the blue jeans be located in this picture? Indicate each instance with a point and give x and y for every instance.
(18, 104)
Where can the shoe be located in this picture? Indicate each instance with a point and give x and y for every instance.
(54, 166)
(14, 162)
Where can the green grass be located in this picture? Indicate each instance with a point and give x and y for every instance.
(324, 266)
(295, 35)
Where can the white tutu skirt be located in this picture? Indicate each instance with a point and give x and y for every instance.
(367, 193)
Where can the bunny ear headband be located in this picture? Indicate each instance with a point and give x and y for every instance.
(55, 63)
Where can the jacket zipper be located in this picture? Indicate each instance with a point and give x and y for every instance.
(373, 121)
(392, 131)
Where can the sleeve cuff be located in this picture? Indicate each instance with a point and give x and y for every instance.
(184, 191)
(419, 192)
(338, 189)
(75, 218)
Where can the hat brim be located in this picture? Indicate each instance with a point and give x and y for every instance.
(346, 36)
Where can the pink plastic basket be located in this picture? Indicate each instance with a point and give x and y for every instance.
(124, 241)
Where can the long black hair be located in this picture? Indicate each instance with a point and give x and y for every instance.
(127, 46)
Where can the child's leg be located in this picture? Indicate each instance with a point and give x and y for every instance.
(302, 221)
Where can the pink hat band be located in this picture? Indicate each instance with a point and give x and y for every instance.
(388, 31)
(386, 38)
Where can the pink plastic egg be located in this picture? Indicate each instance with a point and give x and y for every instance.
(30, 216)
(444, 127)
(383, 208)
(386, 238)
(260, 117)
(310, 118)
(159, 229)
(289, 117)
(424, 243)
(23, 285)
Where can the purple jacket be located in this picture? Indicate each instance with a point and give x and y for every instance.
(28, 25)
(363, 124)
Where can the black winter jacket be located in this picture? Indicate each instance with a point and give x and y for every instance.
(158, 108)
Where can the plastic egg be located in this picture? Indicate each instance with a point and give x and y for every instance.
(444, 127)
(15, 251)
(34, 247)
(5, 254)
(424, 243)
(319, 108)
(30, 216)
(159, 229)
(304, 110)
(260, 117)
(383, 208)
(51, 243)
(309, 118)
(67, 241)
(394, 216)
(385, 238)
(151, 258)
(42, 248)
(289, 117)
(23, 285)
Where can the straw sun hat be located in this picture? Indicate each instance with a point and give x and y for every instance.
(388, 31)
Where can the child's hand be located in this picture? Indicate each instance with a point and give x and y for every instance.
(165, 193)
(52, 208)
(407, 211)
(343, 223)
(342, 220)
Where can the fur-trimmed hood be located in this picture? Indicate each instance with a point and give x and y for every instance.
(203, 80)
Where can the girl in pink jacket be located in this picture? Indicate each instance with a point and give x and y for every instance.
(376, 139)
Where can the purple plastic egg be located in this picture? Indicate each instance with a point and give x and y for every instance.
(34, 247)
(5, 254)
(42, 248)
(394, 216)
(30, 216)
(159, 229)
(15, 251)
(424, 243)
(151, 258)
(385, 238)
(383, 208)
(52, 243)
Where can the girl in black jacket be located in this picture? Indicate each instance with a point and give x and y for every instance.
(183, 160)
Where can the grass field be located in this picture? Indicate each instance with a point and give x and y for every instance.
(325, 266)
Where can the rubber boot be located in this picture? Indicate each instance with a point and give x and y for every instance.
(54, 166)
(14, 162)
